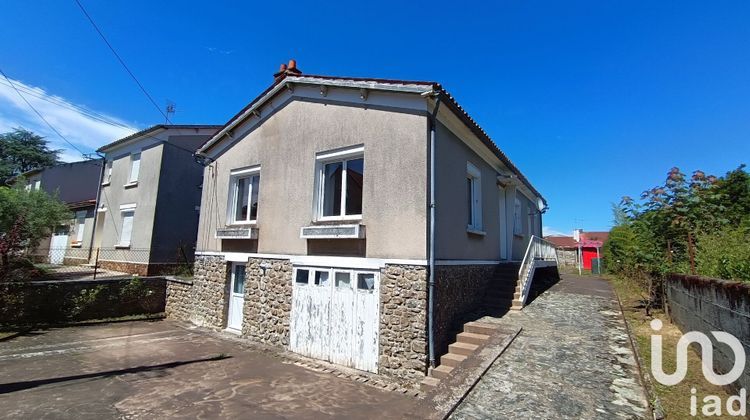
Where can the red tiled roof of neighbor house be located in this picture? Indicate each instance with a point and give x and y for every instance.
(562, 241)
(292, 73)
(595, 236)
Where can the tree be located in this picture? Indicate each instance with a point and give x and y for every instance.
(21, 151)
(26, 216)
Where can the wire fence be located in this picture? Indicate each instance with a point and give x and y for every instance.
(71, 263)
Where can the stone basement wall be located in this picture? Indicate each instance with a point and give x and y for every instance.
(567, 257)
(459, 291)
(204, 302)
(268, 301)
(403, 323)
(705, 305)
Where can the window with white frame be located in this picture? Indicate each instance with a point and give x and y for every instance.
(80, 225)
(135, 167)
(340, 183)
(108, 173)
(127, 214)
(244, 190)
(517, 220)
(473, 197)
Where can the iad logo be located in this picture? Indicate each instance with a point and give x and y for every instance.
(711, 403)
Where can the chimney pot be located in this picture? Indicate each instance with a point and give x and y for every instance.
(282, 68)
(292, 64)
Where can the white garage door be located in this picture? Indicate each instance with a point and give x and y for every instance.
(335, 316)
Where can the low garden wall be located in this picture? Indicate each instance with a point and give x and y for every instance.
(59, 302)
(705, 305)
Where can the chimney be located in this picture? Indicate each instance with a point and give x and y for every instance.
(285, 70)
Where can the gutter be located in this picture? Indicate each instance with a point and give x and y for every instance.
(96, 204)
(431, 281)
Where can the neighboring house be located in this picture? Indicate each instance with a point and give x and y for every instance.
(582, 246)
(316, 231)
(75, 184)
(147, 215)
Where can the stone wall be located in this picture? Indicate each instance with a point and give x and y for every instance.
(403, 323)
(203, 303)
(459, 290)
(180, 303)
(705, 305)
(567, 257)
(268, 301)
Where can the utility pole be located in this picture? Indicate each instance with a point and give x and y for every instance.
(171, 109)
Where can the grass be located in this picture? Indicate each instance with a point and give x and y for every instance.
(675, 400)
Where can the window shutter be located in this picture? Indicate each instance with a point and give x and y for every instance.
(127, 227)
(135, 167)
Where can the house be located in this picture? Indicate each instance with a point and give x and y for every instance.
(75, 184)
(147, 213)
(355, 220)
(582, 246)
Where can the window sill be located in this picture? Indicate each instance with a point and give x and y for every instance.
(250, 223)
(337, 220)
(472, 231)
(122, 246)
(131, 184)
(75, 245)
(518, 235)
(105, 184)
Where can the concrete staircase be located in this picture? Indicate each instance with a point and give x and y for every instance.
(503, 291)
(474, 334)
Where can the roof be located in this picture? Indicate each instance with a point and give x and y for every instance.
(409, 86)
(562, 241)
(595, 236)
(151, 130)
(82, 204)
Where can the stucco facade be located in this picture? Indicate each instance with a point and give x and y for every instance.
(276, 278)
(162, 202)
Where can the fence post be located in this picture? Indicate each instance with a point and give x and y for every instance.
(96, 263)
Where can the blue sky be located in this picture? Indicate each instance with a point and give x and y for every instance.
(592, 100)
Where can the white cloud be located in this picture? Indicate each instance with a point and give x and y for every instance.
(80, 125)
(549, 231)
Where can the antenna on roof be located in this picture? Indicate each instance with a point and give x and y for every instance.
(170, 109)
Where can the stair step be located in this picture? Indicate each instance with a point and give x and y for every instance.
(429, 383)
(450, 359)
(480, 327)
(464, 349)
(441, 372)
(471, 338)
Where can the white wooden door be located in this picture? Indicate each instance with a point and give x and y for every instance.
(335, 316)
(58, 245)
(236, 297)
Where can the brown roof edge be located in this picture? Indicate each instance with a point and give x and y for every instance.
(147, 131)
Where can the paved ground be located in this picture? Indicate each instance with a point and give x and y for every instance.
(572, 360)
(159, 369)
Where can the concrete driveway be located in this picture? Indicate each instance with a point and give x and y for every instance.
(162, 369)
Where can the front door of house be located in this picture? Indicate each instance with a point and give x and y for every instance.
(58, 245)
(236, 297)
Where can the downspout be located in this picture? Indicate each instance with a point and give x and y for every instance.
(96, 205)
(431, 283)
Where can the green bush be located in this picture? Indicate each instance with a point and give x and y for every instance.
(725, 254)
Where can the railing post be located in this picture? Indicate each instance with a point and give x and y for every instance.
(96, 263)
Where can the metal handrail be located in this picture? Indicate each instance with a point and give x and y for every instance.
(538, 249)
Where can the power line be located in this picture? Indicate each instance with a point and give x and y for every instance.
(86, 112)
(143, 89)
(40, 115)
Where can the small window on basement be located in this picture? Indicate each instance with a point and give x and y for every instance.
(366, 281)
(302, 276)
(321, 278)
(343, 280)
